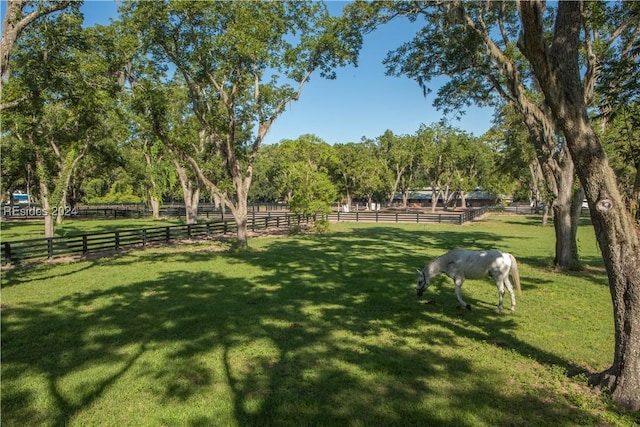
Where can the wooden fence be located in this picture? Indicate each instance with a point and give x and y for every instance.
(82, 244)
(408, 217)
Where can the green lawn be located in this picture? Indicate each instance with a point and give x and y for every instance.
(318, 330)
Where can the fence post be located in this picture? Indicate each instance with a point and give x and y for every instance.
(144, 237)
(7, 252)
(117, 238)
(167, 234)
(417, 217)
(84, 244)
(50, 247)
(189, 230)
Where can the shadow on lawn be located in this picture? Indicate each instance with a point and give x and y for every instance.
(339, 313)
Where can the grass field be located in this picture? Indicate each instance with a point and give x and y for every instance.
(308, 330)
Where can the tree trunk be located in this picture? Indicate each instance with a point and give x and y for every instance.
(44, 196)
(558, 172)
(190, 193)
(434, 197)
(536, 171)
(619, 240)
(545, 214)
(349, 199)
(192, 199)
(155, 206)
(154, 200)
(395, 186)
(61, 208)
(240, 211)
(635, 195)
(563, 219)
(556, 68)
(576, 211)
(46, 208)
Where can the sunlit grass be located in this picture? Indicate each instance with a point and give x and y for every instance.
(307, 330)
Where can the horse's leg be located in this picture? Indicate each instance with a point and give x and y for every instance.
(458, 281)
(511, 293)
(500, 286)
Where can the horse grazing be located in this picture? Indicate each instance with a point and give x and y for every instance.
(461, 264)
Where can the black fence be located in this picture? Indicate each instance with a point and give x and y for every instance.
(205, 210)
(408, 217)
(82, 244)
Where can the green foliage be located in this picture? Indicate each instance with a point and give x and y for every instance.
(304, 165)
(362, 171)
(64, 74)
(320, 226)
(315, 192)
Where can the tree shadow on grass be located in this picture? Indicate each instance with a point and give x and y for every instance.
(326, 332)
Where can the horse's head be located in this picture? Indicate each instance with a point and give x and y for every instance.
(423, 282)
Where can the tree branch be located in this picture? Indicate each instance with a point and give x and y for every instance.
(14, 23)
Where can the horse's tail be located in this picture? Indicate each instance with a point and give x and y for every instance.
(515, 274)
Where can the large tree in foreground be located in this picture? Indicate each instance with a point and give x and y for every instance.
(242, 63)
(556, 66)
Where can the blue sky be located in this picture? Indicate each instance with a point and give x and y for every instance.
(361, 102)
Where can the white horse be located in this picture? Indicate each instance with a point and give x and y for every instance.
(461, 264)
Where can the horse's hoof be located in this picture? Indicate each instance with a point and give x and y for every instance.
(498, 310)
(469, 307)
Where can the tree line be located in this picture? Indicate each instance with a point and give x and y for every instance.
(179, 95)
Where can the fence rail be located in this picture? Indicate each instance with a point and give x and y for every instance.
(408, 217)
(82, 244)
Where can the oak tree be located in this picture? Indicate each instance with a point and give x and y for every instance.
(243, 63)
